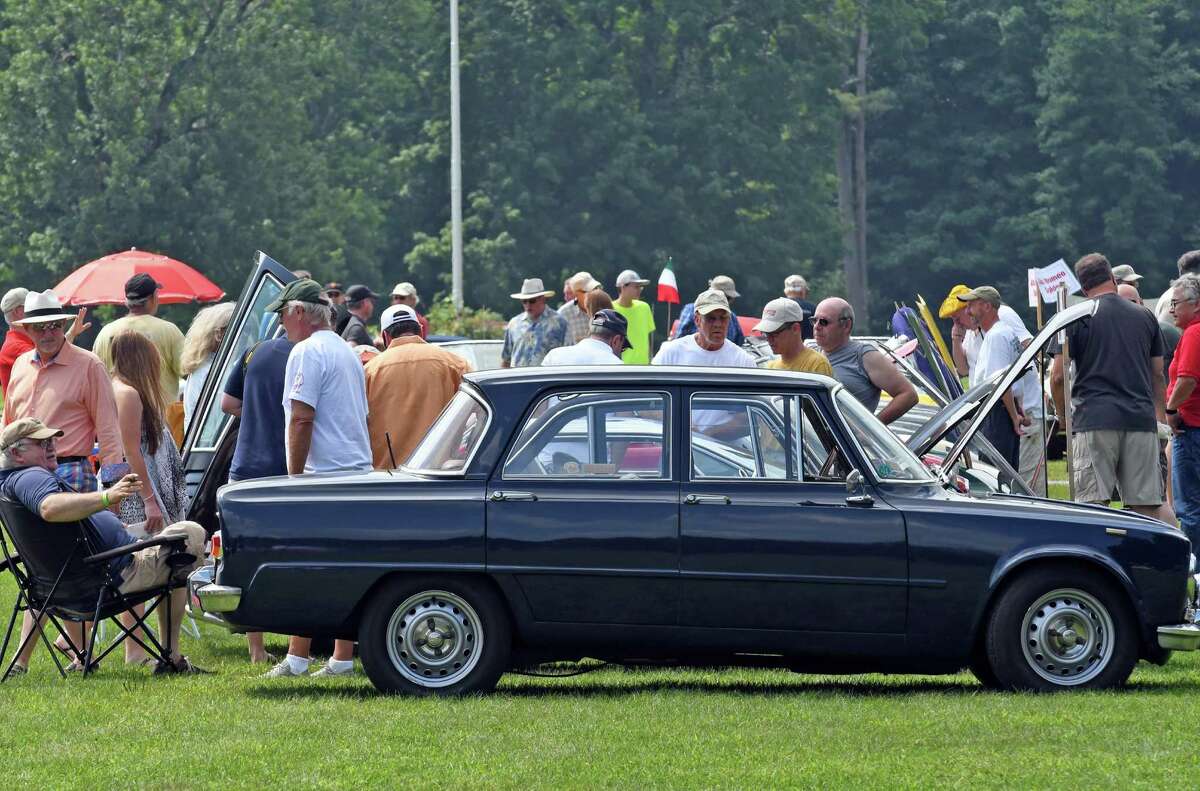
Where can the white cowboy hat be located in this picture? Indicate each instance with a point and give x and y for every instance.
(43, 307)
(531, 289)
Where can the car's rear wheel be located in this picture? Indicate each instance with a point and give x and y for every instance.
(1061, 628)
(434, 637)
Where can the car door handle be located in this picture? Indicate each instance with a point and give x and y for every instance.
(501, 497)
(707, 499)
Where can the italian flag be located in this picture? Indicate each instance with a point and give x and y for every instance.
(668, 289)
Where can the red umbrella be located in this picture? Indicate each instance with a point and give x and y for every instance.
(102, 282)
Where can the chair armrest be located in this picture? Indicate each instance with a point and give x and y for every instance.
(4, 564)
(136, 546)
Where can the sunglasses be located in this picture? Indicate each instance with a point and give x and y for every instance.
(821, 321)
(47, 444)
(782, 329)
(46, 326)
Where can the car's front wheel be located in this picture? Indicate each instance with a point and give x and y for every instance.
(1060, 628)
(434, 637)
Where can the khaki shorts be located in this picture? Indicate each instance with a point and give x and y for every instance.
(1033, 470)
(148, 568)
(1125, 459)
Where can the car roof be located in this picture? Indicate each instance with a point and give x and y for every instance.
(646, 374)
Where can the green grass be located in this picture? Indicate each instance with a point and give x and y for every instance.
(616, 728)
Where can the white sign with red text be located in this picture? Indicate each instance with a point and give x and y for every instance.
(1051, 278)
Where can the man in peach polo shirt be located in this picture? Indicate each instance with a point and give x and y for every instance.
(407, 386)
(67, 387)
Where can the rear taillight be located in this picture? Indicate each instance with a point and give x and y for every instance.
(216, 545)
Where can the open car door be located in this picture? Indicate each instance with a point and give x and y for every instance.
(209, 441)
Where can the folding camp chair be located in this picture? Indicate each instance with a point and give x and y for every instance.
(61, 576)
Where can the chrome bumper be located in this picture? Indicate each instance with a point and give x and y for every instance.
(206, 600)
(1184, 636)
(1180, 637)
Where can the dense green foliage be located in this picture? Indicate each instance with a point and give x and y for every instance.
(598, 135)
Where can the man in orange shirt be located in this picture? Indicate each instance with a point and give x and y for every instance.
(407, 386)
(64, 386)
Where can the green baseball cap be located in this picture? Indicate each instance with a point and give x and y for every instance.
(299, 291)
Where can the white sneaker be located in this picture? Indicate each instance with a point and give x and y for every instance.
(328, 672)
(282, 670)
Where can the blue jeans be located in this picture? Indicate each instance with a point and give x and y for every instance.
(1185, 483)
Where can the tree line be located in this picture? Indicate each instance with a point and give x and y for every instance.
(879, 147)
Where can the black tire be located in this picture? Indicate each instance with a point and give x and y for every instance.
(1062, 628)
(982, 670)
(435, 636)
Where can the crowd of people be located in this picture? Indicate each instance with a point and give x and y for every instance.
(327, 395)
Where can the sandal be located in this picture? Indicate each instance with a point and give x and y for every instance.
(182, 667)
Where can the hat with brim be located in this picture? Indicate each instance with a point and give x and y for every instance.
(26, 428)
(725, 284)
(396, 315)
(43, 307)
(951, 305)
(713, 299)
(532, 289)
(1126, 274)
(303, 290)
(614, 322)
(631, 278)
(983, 294)
(778, 313)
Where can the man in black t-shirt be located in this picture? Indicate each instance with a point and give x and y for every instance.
(1117, 398)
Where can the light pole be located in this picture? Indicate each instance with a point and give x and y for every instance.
(456, 256)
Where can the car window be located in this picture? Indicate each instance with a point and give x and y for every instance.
(820, 459)
(594, 435)
(739, 436)
(256, 325)
(451, 441)
(887, 455)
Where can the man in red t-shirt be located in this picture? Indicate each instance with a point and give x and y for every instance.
(1183, 406)
(16, 342)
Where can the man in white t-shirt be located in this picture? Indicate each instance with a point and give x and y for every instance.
(608, 336)
(708, 346)
(999, 350)
(325, 412)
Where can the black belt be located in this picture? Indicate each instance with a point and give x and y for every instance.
(71, 459)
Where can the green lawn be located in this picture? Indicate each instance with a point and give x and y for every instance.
(616, 728)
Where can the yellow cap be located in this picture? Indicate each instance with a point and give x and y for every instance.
(951, 304)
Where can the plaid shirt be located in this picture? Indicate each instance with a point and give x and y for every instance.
(527, 341)
(579, 326)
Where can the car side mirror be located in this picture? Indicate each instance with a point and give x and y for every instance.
(856, 491)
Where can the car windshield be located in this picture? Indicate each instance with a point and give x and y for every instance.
(887, 455)
(453, 438)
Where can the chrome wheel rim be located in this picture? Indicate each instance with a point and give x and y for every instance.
(434, 638)
(1067, 636)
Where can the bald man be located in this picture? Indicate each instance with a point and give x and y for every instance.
(862, 369)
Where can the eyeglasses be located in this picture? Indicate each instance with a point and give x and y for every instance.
(45, 326)
(1175, 302)
(531, 301)
(782, 329)
(821, 321)
(47, 443)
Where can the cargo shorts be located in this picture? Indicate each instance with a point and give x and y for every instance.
(148, 567)
(1125, 459)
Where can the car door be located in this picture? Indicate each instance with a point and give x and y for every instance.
(584, 512)
(209, 440)
(771, 542)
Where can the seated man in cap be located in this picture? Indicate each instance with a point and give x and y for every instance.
(141, 298)
(27, 464)
(406, 294)
(709, 345)
(783, 323)
(687, 316)
(530, 335)
(606, 341)
(360, 301)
